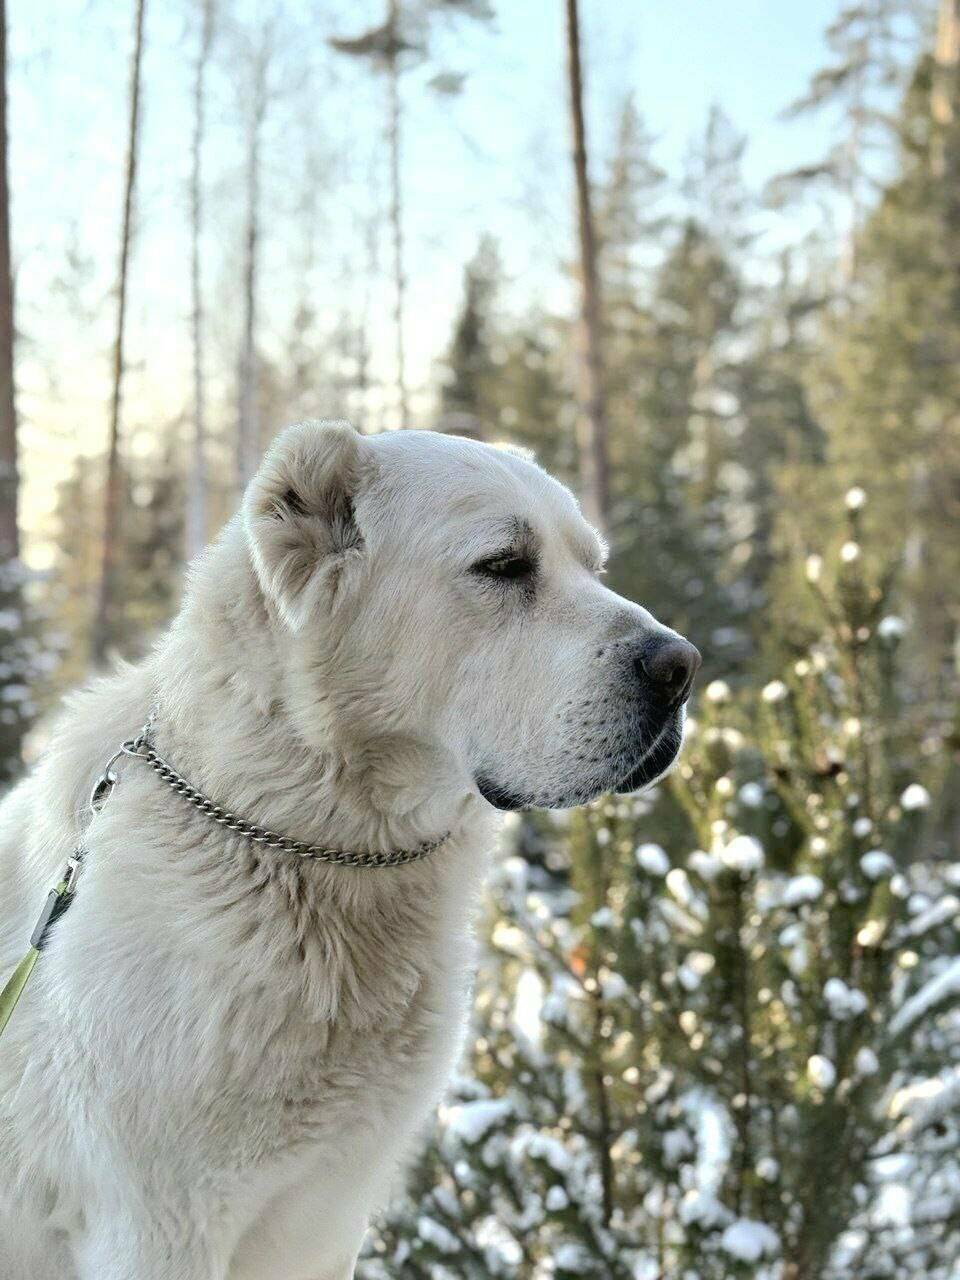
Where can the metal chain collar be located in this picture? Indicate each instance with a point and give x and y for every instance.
(141, 749)
(61, 897)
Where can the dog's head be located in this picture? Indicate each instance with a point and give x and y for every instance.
(447, 593)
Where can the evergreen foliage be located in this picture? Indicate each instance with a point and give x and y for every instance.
(702, 1057)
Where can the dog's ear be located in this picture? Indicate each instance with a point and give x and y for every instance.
(298, 512)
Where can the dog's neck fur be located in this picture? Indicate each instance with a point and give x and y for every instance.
(344, 922)
(230, 688)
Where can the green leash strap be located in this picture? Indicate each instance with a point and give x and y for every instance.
(14, 989)
(58, 901)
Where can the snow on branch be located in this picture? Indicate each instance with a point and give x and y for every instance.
(931, 996)
(926, 1102)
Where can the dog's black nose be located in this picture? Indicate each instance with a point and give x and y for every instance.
(670, 664)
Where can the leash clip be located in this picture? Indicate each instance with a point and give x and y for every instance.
(105, 785)
(58, 901)
(60, 898)
(72, 872)
(103, 789)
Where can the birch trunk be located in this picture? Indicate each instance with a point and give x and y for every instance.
(11, 581)
(396, 214)
(591, 419)
(196, 521)
(112, 498)
(248, 424)
(9, 473)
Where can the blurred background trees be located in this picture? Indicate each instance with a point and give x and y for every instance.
(716, 1032)
(717, 1035)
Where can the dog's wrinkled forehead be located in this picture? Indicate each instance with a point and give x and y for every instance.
(436, 488)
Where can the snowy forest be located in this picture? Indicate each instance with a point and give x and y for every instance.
(717, 1024)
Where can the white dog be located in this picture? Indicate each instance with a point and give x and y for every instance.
(226, 1049)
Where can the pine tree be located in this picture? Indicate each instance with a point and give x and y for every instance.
(533, 406)
(693, 1059)
(781, 463)
(681, 400)
(631, 229)
(873, 44)
(884, 386)
(675, 474)
(467, 393)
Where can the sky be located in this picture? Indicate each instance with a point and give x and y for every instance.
(493, 160)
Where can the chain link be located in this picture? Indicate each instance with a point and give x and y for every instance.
(140, 748)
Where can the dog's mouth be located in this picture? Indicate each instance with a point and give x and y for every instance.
(656, 760)
(649, 763)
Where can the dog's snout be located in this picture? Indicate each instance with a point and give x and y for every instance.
(670, 665)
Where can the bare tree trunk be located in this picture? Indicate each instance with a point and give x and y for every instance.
(196, 521)
(592, 419)
(946, 56)
(112, 503)
(11, 581)
(396, 214)
(362, 384)
(9, 476)
(248, 425)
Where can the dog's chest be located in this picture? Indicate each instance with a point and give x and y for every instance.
(351, 1028)
(341, 1078)
(346, 1105)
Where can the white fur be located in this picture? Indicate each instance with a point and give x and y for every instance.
(225, 1053)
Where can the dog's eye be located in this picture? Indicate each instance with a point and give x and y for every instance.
(505, 566)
